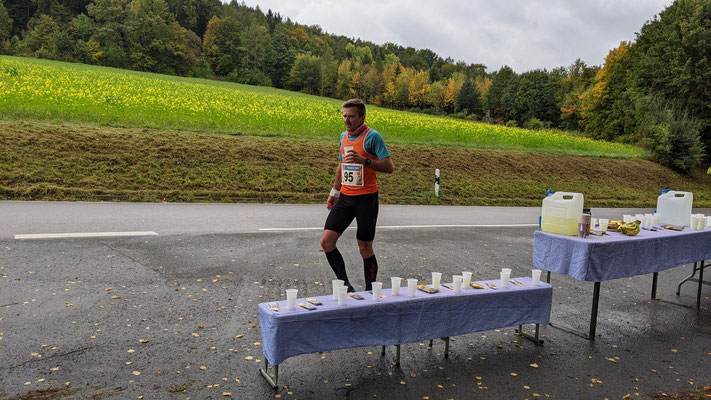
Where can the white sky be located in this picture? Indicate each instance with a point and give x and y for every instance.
(523, 34)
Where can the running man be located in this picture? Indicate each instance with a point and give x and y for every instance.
(355, 192)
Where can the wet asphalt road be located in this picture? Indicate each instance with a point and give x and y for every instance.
(74, 313)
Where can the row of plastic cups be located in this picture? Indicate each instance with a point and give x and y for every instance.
(505, 276)
(645, 219)
(603, 223)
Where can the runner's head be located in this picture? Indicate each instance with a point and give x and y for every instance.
(353, 114)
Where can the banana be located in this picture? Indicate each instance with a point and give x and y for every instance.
(630, 228)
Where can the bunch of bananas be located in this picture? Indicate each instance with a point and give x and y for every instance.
(630, 228)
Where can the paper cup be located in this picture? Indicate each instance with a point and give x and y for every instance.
(436, 278)
(395, 282)
(467, 279)
(504, 279)
(291, 298)
(336, 284)
(603, 224)
(377, 289)
(535, 276)
(457, 283)
(412, 287)
(342, 294)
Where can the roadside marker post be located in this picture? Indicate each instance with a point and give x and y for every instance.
(437, 182)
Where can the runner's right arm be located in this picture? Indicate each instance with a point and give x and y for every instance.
(337, 186)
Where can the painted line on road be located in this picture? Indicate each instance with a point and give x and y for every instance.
(409, 227)
(82, 235)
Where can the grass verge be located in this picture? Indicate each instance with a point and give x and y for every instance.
(48, 161)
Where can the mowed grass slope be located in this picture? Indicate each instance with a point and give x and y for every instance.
(32, 89)
(49, 161)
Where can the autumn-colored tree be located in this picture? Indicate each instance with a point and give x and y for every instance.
(605, 108)
(419, 86)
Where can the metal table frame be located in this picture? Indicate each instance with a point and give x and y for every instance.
(274, 381)
(655, 276)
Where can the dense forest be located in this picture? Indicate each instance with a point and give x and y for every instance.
(654, 91)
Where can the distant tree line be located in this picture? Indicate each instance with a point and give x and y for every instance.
(654, 91)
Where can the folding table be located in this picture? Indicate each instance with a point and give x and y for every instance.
(614, 255)
(396, 320)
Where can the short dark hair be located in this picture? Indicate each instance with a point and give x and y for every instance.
(355, 103)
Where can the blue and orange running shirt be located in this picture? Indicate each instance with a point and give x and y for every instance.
(356, 179)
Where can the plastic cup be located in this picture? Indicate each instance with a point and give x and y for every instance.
(291, 298)
(346, 150)
(458, 283)
(603, 224)
(708, 221)
(648, 219)
(655, 220)
(342, 290)
(336, 284)
(377, 289)
(395, 282)
(412, 286)
(505, 279)
(535, 276)
(593, 222)
(639, 217)
(507, 270)
(436, 278)
(466, 279)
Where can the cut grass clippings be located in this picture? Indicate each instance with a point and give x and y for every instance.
(48, 161)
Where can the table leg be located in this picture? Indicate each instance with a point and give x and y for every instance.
(382, 353)
(265, 374)
(593, 314)
(548, 276)
(701, 282)
(397, 357)
(654, 284)
(430, 344)
(693, 273)
(446, 347)
(535, 339)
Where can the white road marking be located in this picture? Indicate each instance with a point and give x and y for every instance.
(409, 227)
(81, 235)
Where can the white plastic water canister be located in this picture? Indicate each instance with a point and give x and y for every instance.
(674, 208)
(560, 213)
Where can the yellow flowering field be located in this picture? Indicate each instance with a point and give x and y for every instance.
(57, 91)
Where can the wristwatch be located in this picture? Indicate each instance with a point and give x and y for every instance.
(367, 162)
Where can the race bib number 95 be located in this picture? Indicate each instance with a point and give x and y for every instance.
(352, 174)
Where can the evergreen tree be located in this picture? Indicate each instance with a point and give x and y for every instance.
(469, 99)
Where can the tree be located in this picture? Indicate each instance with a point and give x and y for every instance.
(281, 56)
(469, 99)
(108, 43)
(306, 74)
(419, 86)
(5, 23)
(536, 98)
(221, 45)
(606, 109)
(672, 60)
(256, 43)
(40, 38)
(433, 98)
(502, 94)
(149, 33)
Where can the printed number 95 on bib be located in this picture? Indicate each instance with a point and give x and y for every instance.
(352, 174)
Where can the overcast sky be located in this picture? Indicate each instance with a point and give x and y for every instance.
(523, 34)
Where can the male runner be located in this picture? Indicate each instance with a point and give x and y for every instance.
(355, 191)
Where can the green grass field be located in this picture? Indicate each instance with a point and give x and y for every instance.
(32, 89)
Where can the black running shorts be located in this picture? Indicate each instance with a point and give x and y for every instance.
(364, 208)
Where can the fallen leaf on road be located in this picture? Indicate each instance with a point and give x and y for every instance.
(202, 367)
(226, 394)
(610, 359)
(534, 365)
(248, 358)
(144, 340)
(136, 373)
(514, 374)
